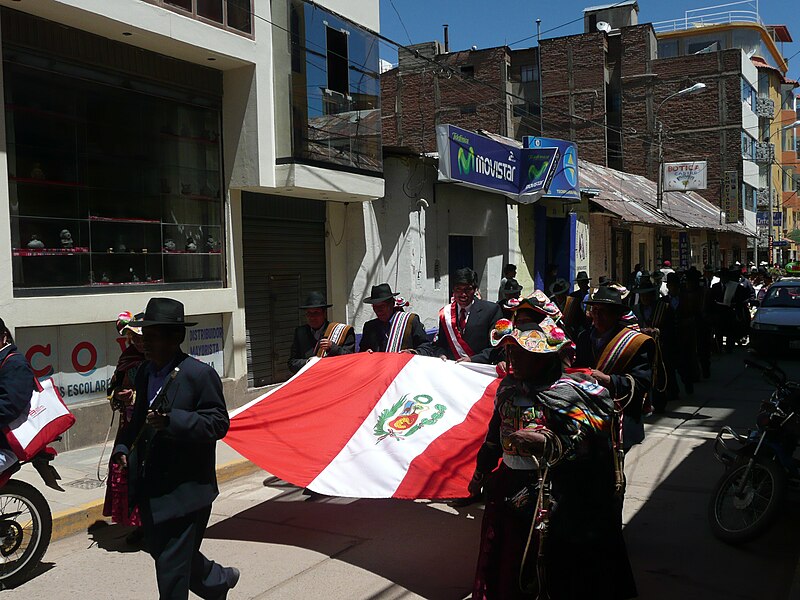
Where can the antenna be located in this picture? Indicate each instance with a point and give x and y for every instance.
(603, 26)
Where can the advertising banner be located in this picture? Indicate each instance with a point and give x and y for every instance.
(82, 358)
(730, 196)
(477, 161)
(762, 218)
(683, 250)
(547, 168)
(684, 176)
(564, 183)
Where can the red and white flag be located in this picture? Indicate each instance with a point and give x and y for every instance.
(378, 425)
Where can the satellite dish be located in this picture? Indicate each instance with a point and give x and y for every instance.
(603, 26)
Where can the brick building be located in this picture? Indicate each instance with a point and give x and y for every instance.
(495, 89)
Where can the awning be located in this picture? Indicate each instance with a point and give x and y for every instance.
(632, 198)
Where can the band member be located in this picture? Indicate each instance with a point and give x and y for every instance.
(466, 323)
(575, 320)
(620, 358)
(391, 330)
(319, 337)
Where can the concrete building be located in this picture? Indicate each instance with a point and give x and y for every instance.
(607, 87)
(208, 151)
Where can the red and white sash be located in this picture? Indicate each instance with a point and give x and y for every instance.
(449, 329)
(397, 332)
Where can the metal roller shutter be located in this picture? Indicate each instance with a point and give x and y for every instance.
(284, 260)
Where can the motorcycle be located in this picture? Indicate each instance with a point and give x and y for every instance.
(746, 499)
(26, 523)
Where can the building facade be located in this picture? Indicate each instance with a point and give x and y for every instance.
(198, 150)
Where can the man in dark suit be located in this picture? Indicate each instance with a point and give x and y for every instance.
(391, 330)
(319, 337)
(729, 307)
(178, 416)
(466, 323)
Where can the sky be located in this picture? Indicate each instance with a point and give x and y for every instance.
(488, 23)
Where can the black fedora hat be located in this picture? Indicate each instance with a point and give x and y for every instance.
(315, 300)
(558, 287)
(605, 294)
(380, 293)
(582, 276)
(646, 284)
(162, 311)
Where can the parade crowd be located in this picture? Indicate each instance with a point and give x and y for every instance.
(581, 369)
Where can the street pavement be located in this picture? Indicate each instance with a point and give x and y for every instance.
(288, 547)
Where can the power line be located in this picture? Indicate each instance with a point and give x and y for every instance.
(401, 21)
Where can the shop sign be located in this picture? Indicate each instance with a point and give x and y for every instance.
(762, 218)
(564, 182)
(780, 243)
(81, 358)
(548, 168)
(683, 250)
(581, 246)
(684, 176)
(477, 161)
(730, 196)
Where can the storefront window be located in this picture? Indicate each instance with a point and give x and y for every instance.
(335, 90)
(110, 187)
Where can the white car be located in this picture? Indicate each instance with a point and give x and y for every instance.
(776, 325)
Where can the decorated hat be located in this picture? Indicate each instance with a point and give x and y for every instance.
(605, 295)
(380, 293)
(645, 285)
(400, 302)
(558, 287)
(315, 300)
(541, 338)
(538, 302)
(124, 320)
(582, 276)
(623, 291)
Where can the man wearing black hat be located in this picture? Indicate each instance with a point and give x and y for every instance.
(319, 337)
(619, 356)
(465, 325)
(574, 310)
(390, 330)
(178, 416)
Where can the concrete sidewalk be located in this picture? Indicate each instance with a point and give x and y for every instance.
(81, 502)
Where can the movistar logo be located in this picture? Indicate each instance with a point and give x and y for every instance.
(466, 161)
(535, 173)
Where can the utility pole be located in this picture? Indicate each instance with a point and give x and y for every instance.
(539, 68)
(660, 187)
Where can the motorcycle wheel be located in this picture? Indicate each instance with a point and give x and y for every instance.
(25, 529)
(737, 519)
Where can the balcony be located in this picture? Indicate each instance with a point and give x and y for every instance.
(765, 153)
(712, 15)
(765, 107)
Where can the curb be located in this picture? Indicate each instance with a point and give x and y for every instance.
(74, 520)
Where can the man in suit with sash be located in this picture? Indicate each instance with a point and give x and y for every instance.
(391, 330)
(178, 416)
(620, 358)
(465, 325)
(574, 311)
(319, 337)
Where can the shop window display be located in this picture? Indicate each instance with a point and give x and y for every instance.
(110, 187)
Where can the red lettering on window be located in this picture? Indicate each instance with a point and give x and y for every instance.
(89, 366)
(39, 349)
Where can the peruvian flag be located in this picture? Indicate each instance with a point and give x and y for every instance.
(379, 425)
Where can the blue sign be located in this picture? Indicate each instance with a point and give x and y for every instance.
(683, 249)
(539, 165)
(564, 183)
(780, 243)
(478, 161)
(762, 218)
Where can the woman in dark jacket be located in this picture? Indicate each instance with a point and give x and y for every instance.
(16, 389)
(122, 397)
(551, 527)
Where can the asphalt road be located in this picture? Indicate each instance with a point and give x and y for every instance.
(287, 547)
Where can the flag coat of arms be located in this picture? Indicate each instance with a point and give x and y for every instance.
(380, 425)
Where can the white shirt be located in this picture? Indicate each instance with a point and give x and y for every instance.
(466, 309)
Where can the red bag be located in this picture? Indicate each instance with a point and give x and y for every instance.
(47, 418)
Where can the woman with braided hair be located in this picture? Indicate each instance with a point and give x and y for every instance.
(551, 528)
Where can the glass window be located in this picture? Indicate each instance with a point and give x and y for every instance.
(210, 9)
(110, 187)
(467, 71)
(528, 73)
(335, 90)
(184, 4)
(783, 296)
(239, 15)
(236, 14)
(667, 48)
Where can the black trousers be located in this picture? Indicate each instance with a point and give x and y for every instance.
(180, 566)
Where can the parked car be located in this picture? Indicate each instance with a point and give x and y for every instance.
(776, 325)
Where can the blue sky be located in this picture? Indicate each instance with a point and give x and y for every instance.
(496, 22)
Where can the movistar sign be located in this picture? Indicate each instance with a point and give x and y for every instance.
(478, 161)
